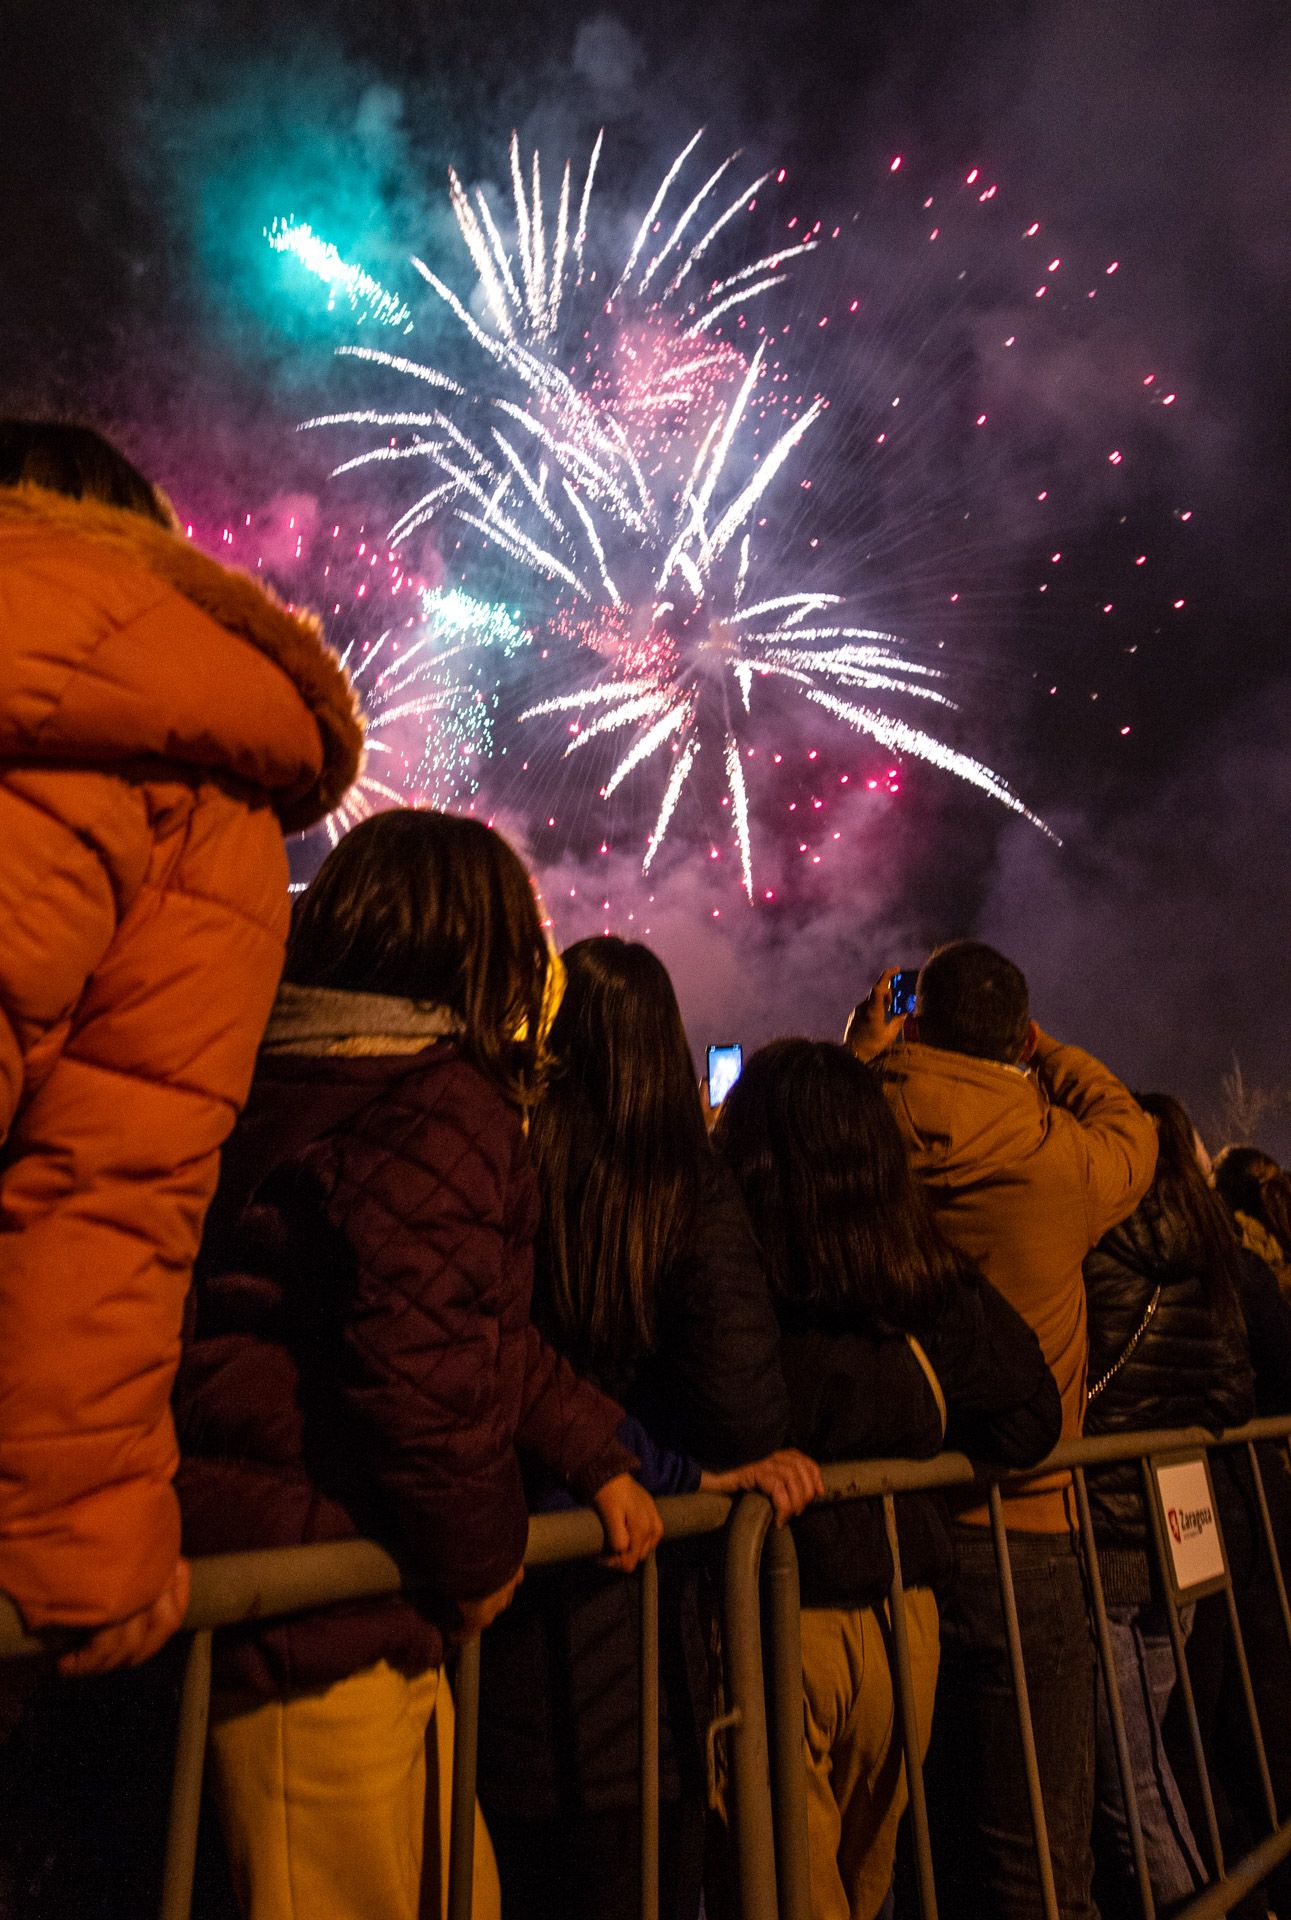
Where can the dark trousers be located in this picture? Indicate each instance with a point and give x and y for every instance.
(586, 1866)
(984, 1852)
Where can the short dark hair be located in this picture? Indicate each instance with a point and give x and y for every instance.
(432, 907)
(845, 1229)
(972, 1000)
(78, 461)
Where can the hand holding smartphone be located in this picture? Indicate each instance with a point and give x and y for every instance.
(903, 993)
(725, 1065)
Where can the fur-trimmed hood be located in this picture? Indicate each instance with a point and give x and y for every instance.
(120, 641)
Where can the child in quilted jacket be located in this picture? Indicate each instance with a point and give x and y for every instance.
(360, 1358)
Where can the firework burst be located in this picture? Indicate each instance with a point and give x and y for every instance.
(429, 689)
(607, 451)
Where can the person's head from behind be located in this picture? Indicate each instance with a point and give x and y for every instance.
(619, 1139)
(1183, 1194)
(1253, 1183)
(437, 909)
(972, 1000)
(844, 1228)
(79, 462)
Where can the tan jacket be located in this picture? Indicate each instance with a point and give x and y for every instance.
(1027, 1171)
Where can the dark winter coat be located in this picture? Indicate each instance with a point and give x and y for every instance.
(1266, 1311)
(855, 1394)
(1191, 1366)
(360, 1358)
(559, 1689)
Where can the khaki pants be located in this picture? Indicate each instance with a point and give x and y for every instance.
(856, 1784)
(322, 1799)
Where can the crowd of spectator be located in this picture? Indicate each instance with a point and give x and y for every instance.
(439, 1233)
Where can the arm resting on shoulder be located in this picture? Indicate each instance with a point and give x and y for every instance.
(1002, 1403)
(858, 1396)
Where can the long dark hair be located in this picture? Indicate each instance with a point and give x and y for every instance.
(79, 462)
(1181, 1191)
(844, 1227)
(1251, 1182)
(619, 1141)
(439, 909)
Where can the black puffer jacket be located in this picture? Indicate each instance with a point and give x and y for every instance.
(856, 1394)
(559, 1700)
(1190, 1367)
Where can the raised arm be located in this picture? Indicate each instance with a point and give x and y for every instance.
(1114, 1139)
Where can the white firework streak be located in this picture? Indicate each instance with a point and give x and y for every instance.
(890, 732)
(587, 697)
(644, 706)
(643, 231)
(580, 232)
(649, 743)
(739, 810)
(671, 795)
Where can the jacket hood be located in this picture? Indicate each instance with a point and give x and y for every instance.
(120, 640)
(335, 1021)
(970, 1120)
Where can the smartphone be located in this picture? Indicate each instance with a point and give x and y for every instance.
(903, 992)
(724, 1067)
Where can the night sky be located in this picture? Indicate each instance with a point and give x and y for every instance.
(146, 146)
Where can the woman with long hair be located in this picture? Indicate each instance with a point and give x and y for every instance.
(1167, 1348)
(360, 1358)
(890, 1342)
(648, 1278)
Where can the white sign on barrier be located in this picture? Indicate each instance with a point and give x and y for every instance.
(1192, 1531)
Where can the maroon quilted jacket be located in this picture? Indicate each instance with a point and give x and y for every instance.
(359, 1357)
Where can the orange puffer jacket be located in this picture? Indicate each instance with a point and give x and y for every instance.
(161, 721)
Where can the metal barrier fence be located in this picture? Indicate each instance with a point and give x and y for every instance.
(763, 1722)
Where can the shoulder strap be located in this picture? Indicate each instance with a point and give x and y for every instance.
(930, 1375)
(1093, 1392)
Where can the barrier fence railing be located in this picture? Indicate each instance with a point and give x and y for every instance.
(762, 1721)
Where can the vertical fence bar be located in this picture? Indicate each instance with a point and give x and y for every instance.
(186, 1783)
(1270, 1538)
(1252, 1712)
(466, 1747)
(1181, 1668)
(1112, 1688)
(650, 1738)
(750, 1766)
(1026, 1732)
(788, 1773)
(903, 1683)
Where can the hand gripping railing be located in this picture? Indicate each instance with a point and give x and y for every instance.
(767, 1774)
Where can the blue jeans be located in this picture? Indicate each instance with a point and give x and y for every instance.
(984, 1854)
(1145, 1675)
